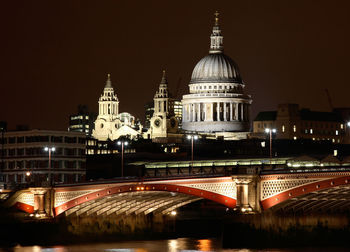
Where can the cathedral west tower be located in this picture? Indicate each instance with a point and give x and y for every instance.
(163, 120)
(107, 121)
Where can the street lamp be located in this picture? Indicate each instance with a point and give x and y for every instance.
(192, 137)
(122, 143)
(28, 178)
(270, 131)
(50, 149)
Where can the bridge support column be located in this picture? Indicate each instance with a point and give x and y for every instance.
(242, 203)
(39, 202)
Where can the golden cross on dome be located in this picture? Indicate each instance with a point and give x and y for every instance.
(216, 14)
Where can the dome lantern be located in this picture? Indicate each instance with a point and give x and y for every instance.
(216, 39)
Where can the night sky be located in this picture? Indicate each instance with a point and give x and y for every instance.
(56, 54)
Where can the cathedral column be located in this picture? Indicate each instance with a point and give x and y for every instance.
(218, 111)
(193, 112)
(247, 112)
(236, 112)
(225, 119)
(198, 112)
(183, 113)
(211, 111)
(204, 112)
(231, 119)
(242, 112)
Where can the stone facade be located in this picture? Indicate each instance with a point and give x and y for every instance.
(109, 123)
(163, 120)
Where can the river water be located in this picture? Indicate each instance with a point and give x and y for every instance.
(171, 245)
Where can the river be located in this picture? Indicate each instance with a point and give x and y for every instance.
(171, 245)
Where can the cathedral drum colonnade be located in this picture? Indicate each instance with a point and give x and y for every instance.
(216, 101)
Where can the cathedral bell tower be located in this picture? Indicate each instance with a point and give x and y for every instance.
(163, 120)
(107, 121)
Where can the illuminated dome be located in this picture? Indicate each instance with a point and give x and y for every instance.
(216, 68)
(216, 103)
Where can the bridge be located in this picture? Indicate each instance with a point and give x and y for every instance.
(299, 184)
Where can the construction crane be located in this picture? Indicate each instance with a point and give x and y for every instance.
(329, 99)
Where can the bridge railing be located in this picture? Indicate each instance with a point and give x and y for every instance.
(137, 179)
(306, 169)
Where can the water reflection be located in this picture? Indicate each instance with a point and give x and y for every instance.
(173, 245)
(205, 245)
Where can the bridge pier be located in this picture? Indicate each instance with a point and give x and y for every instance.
(247, 194)
(42, 204)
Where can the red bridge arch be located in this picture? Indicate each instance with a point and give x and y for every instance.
(221, 199)
(303, 190)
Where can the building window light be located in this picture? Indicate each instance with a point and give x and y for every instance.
(283, 128)
(311, 131)
(295, 138)
(336, 132)
(335, 153)
(305, 131)
(294, 128)
(342, 126)
(313, 139)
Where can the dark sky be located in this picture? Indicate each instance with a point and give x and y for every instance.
(56, 54)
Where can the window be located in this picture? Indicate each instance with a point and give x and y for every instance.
(283, 128)
(295, 138)
(70, 139)
(337, 132)
(69, 152)
(57, 139)
(311, 131)
(20, 139)
(12, 140)
(20, 152)
(294, 128)
(12, 152)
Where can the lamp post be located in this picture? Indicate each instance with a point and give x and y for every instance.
(28, 178)
(50, 149)
(192, 137)
(122, 143)
(270, 131)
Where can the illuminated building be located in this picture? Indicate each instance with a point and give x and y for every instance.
(177, 107)
(291, 122)
(83, 121)
(25, 160)
(163, 121)
(109, 123)
(217, 103)
(149, 110)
